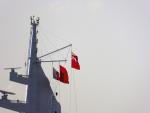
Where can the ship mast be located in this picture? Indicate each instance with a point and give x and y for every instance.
(32, 54)
(33, 47)
(40, 97)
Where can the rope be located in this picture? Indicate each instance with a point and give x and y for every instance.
(59, 89)
(70, 94)
(76, 104)
(28, 61)
(56, 83)
(68, 52)
(56, 36)
(46, 36)
(43, 42)
(74, 87)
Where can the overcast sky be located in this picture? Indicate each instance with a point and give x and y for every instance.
(110, 37)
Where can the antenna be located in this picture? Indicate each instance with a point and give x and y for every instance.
(12, 68)
(6, 92)
(37, 20)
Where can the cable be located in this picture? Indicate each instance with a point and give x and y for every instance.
(76, 104)
(46, 36)
(56, 36)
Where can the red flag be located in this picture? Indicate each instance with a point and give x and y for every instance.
(55, 74)
(74, 62)
(64, 75)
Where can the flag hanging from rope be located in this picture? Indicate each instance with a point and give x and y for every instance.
(64, 75)
(74, 62)
(55, 74)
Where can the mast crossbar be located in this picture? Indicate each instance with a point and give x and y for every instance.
(55, 51)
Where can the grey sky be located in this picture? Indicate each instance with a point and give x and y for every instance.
(111, 38)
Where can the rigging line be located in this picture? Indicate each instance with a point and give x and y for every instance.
(26, 57)
(38, 43)
(70, 84)
(64, 64)
(49, 38)
(55, 51)
(59, 86)
(46, 36)
(68, 53)
(74, 88)
(43, 34)
(53, 80)
(57, 82)
(76, 104)
(29, 51)
(41, 49)
(56, 36)
(43, 43)
(70, 93)
(28, 60)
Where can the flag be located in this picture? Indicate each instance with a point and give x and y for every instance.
(63, 75)
(74, 62)
(55, 74)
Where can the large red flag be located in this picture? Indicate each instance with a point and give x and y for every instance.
(55, 74)
(64, 75)
(74, 62)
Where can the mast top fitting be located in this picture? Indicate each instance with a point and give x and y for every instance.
(34, 21)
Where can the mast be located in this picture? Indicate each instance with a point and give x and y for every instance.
(32, 58)
(40, 97)
(33, 46)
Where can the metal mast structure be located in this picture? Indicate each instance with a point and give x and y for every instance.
(40, 97)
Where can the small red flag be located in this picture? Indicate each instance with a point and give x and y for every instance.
(55, 74)
(74, 62)
(63, 75)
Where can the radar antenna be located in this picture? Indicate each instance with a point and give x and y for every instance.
(12, 68)
(5, 94)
